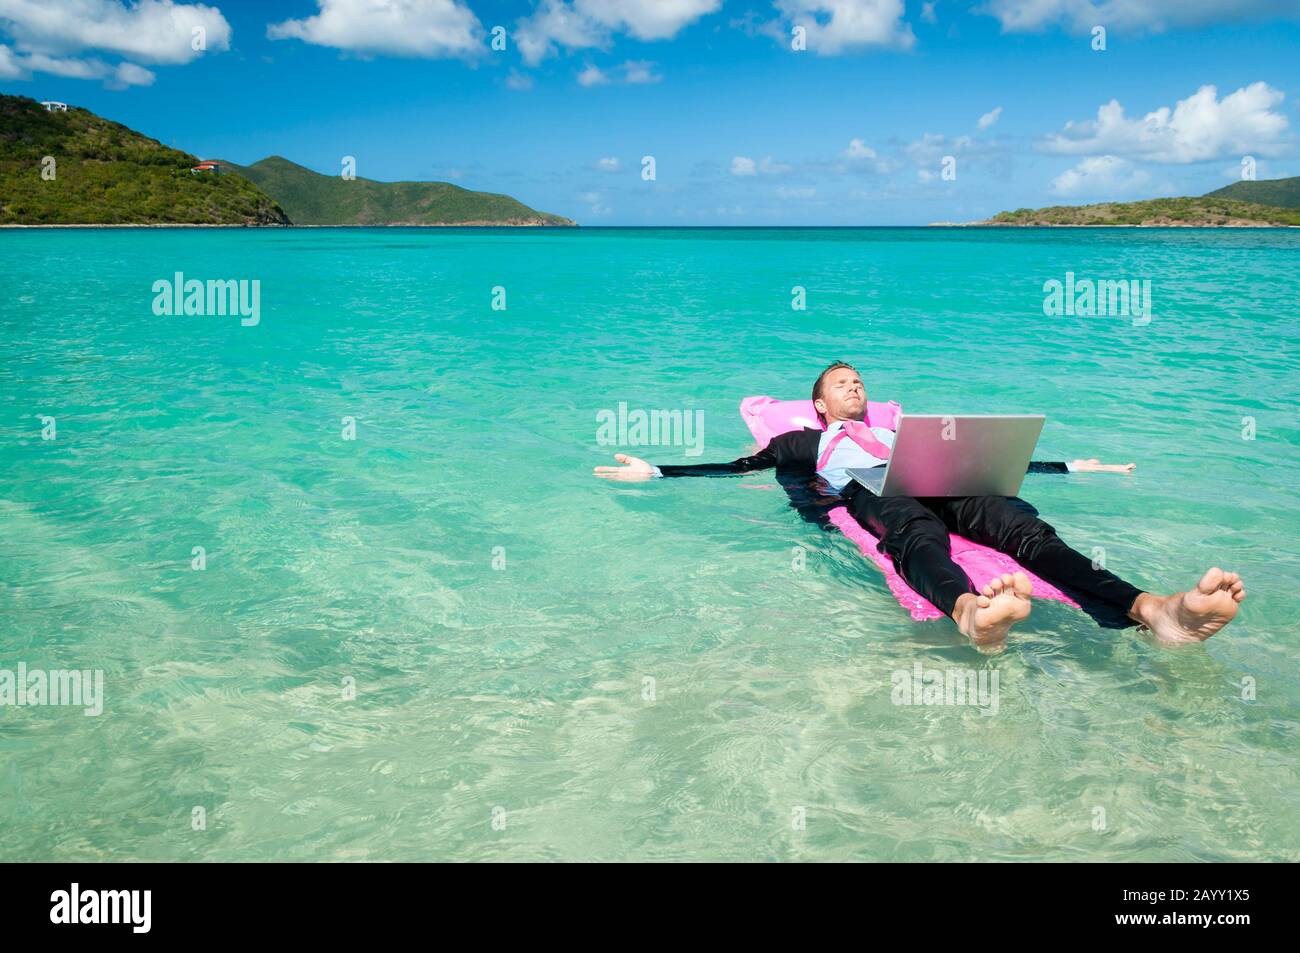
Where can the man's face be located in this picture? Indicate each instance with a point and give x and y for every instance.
(843, 396)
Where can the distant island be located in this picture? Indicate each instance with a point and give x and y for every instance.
(67, 166)
(314, 199)
(1246, 204)
(62, 165)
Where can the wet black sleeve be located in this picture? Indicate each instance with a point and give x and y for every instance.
(763, 460)
(1039, 466)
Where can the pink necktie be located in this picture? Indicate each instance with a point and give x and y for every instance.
(860, 433)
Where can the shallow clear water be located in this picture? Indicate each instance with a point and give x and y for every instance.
(501, 611)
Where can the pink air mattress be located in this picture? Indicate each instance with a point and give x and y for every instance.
(767, 418)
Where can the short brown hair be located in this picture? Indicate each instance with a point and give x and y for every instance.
(835, 365)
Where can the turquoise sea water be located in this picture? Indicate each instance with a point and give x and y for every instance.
(548, 666)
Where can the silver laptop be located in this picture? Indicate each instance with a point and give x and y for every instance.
(972, 455)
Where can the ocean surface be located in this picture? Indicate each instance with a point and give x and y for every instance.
(354, 593)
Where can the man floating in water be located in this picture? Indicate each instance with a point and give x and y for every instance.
(913, 531)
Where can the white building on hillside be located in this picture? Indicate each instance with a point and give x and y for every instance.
(55, 107)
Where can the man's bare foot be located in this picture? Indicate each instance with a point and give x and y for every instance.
(1194, 615)
(986, 618)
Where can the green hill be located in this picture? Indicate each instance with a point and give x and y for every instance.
(1204, 211)
(105, 173)
(314, 199)
(1281, 193)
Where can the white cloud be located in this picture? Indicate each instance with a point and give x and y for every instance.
(990, 117)
(860, 157)
(640, 71)
(585, 24)
(837, 26)
(128, 74)
(805, 192)
(592, 76)
(10, 68)
(555, 22)
(421, 28)
(19, 66)
(68, 68)
(859, 150)
(1153, 15)
(928, 148)
(648, 19)
(933, 146)
(633, 72)
(742, 165)
(1198, 128)
(156, 31)
(520, 82)
(1107, 177)
(927, 12)
(594, 200)
(608, 165)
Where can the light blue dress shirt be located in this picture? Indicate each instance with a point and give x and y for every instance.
(848, 455)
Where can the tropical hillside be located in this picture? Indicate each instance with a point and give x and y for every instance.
(105, 173)
(1269, 202)
(1283, 193)
(314, 199)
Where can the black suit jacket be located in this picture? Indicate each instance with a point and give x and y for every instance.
(794, 453)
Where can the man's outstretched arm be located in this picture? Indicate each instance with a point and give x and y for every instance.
(634, 468)
(1091, 465)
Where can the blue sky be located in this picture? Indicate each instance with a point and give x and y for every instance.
(853, 129)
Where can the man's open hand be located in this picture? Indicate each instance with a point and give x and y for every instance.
(1094, 465)
(633, 468)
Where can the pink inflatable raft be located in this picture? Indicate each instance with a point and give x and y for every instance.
(768, 418)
